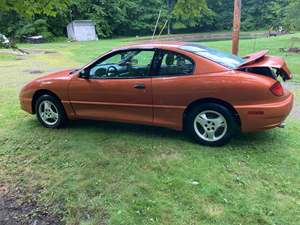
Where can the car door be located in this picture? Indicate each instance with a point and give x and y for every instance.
(115, 88)
(172, 87)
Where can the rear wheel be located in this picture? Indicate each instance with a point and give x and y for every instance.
(50, 112)
(211, 124)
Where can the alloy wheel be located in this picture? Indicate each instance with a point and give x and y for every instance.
(48, 112)
(210, 125)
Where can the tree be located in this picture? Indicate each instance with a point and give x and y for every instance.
(190, 12)
(292, 19)
(33, 7)
(257, 14)
(138, 17)
(119, 17)
(220, 19)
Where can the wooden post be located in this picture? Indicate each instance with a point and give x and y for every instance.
(236, 27)
(169, 15)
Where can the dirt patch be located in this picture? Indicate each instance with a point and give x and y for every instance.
(39, 51)
(169, 154)
(214, 210)
(16, 209)
(291, 50)
(12, 52)
(27, 51)
(50, 52)
(34, 71)
(19, 57)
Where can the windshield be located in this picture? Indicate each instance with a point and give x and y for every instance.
(223, 58)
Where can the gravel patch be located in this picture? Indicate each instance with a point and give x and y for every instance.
(294, 87)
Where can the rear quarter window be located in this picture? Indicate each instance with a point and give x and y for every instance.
(223, 58)
(173, 63)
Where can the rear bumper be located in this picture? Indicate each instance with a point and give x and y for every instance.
(265, 116)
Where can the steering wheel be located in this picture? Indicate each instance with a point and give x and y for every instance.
(111, 71)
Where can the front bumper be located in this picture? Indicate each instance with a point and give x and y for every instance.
(265, 116)
(26, 104)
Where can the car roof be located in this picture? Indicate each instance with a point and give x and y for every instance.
(153, 44)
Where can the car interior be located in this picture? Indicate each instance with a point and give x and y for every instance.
(175, 64)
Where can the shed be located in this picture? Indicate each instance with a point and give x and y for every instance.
(82, 30)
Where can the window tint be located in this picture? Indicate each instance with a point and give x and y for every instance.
(125, 64)
(175, 64)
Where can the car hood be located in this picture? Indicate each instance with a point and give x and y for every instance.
(261, 59)
(64, 74)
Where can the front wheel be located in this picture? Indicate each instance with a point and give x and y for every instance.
(211, 124)
(50, 112)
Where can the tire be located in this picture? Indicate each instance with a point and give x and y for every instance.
(50, 111)
(211, 124)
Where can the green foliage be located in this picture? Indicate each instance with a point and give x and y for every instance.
(119, 17)
(138, 17)
(19, 18)
(10, 23)
(221, 19)
(190, 12)
(292, 19)
(33, 7)
(257, 14)
(38, 27)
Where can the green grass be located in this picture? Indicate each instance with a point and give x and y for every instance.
(7, 57)
(100, 172)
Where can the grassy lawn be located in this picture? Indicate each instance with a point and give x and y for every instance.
(110, 173)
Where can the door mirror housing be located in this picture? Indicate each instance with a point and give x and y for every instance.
(83, 74)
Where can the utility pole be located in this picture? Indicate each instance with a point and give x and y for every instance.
(236, 26)
(170, 5)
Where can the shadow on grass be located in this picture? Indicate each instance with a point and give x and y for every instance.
(112, 128)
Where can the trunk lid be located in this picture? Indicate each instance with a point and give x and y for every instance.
(260, 62)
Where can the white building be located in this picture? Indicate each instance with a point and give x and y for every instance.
(82, 30)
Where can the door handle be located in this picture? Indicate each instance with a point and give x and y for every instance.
(139, 86)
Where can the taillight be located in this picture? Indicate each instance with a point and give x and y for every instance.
(277, 89)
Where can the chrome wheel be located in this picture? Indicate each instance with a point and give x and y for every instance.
(48, 112)
(210, 125)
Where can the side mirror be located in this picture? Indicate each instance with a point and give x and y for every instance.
(83, 74)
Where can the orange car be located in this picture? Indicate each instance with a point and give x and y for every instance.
(183, 86)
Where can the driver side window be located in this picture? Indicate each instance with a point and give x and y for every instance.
(124, 64)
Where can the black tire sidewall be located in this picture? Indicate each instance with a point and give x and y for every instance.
(61, 112)
(231, 123)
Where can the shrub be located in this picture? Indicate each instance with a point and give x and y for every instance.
(38, 27)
